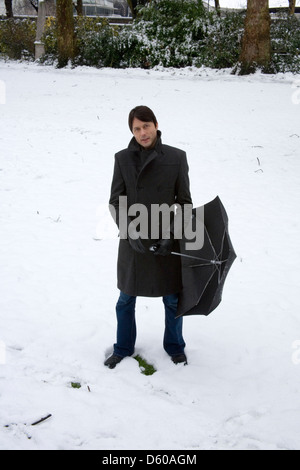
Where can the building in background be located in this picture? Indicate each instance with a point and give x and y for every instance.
(98, 7)
(90, 7)
(117, 7)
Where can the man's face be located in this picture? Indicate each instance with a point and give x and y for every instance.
(145, 133)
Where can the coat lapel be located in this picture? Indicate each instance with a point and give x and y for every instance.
(136, 155)
(150, 157)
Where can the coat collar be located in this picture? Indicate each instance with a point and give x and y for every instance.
(136, 150)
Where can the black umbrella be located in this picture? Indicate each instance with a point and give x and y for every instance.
(204, 271)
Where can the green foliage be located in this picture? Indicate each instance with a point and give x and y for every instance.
(147, 369)
(75, 385)
(50, 40)
(95, 42)
(221, 45)
(17, 39)
(177, 33)
(285, 41)
(168, 33)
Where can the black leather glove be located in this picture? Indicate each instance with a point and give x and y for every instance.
(162, 247)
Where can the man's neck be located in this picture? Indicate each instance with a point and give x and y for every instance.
(152, 146)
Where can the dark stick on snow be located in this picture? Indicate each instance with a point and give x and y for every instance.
(41, 420)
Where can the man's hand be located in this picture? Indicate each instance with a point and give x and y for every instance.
(162, 247)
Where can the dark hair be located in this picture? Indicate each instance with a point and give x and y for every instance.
(143, 113)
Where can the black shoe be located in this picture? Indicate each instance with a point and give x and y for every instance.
(180, 358)
(112, 361)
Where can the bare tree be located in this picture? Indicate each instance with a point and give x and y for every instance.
(79, 7)
(65, 31)
(8, 7)
(292, 6)
(256, 44)
(35, 5)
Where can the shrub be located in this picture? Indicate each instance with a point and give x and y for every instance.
(285, 41)
(17, 38)
(94, 42)
(50, 40)
(169, 32)
(176, 33)
(222, 43)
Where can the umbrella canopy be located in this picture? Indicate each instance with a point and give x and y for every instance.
(204, 271)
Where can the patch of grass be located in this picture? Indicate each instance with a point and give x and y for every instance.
(147, 369)
(75, 385)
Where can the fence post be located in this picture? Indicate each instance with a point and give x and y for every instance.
(39, 45)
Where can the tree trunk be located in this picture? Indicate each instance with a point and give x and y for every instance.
(256, 44)
(133, 5)
(79, 8)
(292, 6)
(8, 7)
(218, 8)
(65, 31)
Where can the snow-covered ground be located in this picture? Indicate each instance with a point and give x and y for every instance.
(59, 132)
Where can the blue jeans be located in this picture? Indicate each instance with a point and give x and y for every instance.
(126, 329)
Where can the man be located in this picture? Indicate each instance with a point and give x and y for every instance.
(148, 174)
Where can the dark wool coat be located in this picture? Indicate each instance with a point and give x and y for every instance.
(155, 176)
